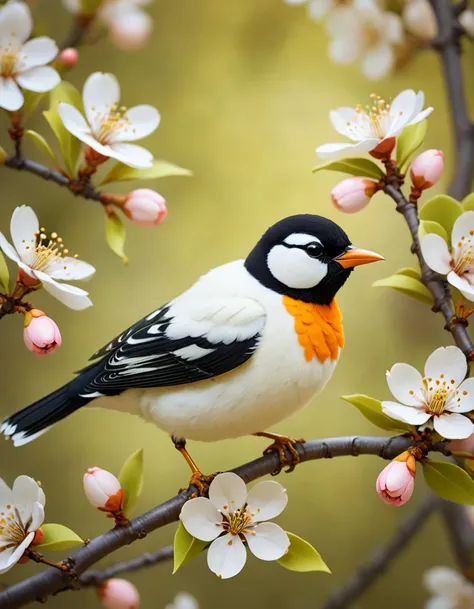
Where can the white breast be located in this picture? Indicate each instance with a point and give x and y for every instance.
(273, 384)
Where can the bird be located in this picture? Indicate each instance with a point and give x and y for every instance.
(247, 345)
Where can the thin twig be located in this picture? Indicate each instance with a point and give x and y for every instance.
(380, 560)
(77, 32)
(51, 580)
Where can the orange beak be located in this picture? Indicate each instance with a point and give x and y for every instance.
(354, 257)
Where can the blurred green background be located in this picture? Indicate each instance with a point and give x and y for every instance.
(244, 89)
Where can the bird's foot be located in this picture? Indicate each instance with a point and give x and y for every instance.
(201, 482)
(286, 448)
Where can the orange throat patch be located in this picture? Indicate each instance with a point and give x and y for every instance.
(318, 327)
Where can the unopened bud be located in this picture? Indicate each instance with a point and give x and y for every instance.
(103, 490)
(40, 333)
(427, 169)
(420, 19)
(353, 194)
(145, 207)
(396, 482)
(118, 594)
(69, 57)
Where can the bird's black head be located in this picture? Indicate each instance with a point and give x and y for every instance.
(306, 257)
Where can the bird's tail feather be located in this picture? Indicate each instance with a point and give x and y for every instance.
(29, 423)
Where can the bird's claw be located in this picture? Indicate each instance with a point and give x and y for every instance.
(287, 453)
(201, 482)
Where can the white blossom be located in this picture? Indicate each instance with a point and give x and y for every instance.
(458, 262)
(449, 589)
(231, 518)
(183, 600)
(44, 259)
(370, 128)
(21, 515)
(109, 127)
(441, 394)
(22, 63)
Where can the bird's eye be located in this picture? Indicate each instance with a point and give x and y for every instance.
(313, 249)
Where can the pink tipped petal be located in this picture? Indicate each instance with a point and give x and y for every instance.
(405, 383)
(101, 91)
(462, 227)
(132, 155)
(398, 476)
(39, 80)
(268, 541)
(228, 492)
(407, 414)
(408, 492)
(436, 253)
(142, 121)
(201, 519)
(453, 426)
(11, 98)
(23, 226)
(38, 52)
(464, 401)
(267, 500)
(226, 556)
(449, 361)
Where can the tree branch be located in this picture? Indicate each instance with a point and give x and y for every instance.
(77, 32)
(380, 560)
(447, 43)
(52, 580)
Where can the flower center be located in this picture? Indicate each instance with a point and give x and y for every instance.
(8, 61)
(464, 255)
(438, 393)
(238, 522)
(108, 124)
(375, 116)
(47, 251)
(11, 527)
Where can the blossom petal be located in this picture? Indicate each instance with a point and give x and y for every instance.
(6, 495)
(71, 269)
(15, 24)
(440, 602)
(11, 98)
(447, 361)
(37, 52)
(101, 91)
(377, 62)
(436, 253)
(40, 79)
(462, 227)
(318, 9)
(37, 517)
(421, 116)
(453, 426)
(341, 119)
(228, 492)
(26, 493)
(183, 600)
(266, 500)
(405, 383)
(464, 402)
(226, 556)
(401, 111)
(132, 155)
(73, 120)
(69, 295)
(141, 121)
(393, 26)
(462, 284)
(201, 519)
(10, 558)
(443, 581)
(407, 414)
(334, 151)
(268, 541)
(8, 249)
(344, 50)
(23, 226)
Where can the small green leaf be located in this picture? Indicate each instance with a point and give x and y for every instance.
(429, 226)
(468, 203)
(449, 481)
(160, 169)
(302, 557)
(406, 285)
(115, 235)
(42, 145)
(70, 146)
(4, 274)
(186, 547)
(3, 156)
(32, 101)
(355, 167)
(131, 480)
(371, 409)
(409, 272)
(408, 142)
(58, 537)
(442, 209)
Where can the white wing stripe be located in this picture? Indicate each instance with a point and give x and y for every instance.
(192, 352)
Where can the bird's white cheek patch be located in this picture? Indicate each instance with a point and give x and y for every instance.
(294, 268)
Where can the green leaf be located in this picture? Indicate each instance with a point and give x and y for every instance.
(408, 142)
(371, 409)
(429, 226)
(131, 480)
(58, 537)
(302, 557)
(186, 547)
(4, 274)
(468, 203)
(409, 272)
(3, 156)
(42, 145)
(70, 146)
(115, 235)
(355, 167)
(160, 169)
(442, 209)
(406, 285)
(449, 481)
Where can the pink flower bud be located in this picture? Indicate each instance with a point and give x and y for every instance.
(118, 594)
(145, 207)
(103, 490)
(427, 169)
(41, 334)
(69, 57)
(131, 31)
(396, 482)
(462, 446)
(353, 194)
